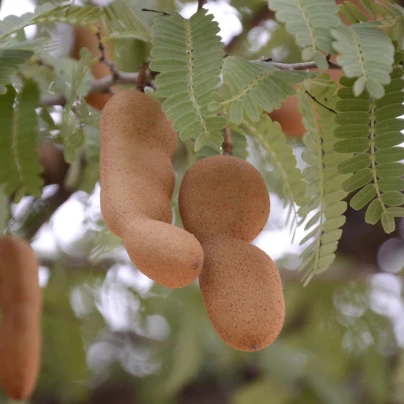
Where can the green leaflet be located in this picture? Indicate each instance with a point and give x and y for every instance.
(73, 78)
(250, 87)
(281, 157)
(121, 21)
(381, 11)
(10, 61)
(360, 46)
(89, 118)
(310, 22)
(377, 168)
(49, 13)
(20, 169)
(189, 56)
(326, 203)
(72, 135)
(4, 211)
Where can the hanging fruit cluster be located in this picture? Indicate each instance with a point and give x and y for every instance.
(224, 205)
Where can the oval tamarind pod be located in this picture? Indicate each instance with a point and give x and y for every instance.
(137, 179)
(20, 303)
(224, 195)
(242, 293)
(54, 165)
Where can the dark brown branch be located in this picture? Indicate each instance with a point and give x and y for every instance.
(103, 58)
(155, 11)
(142, 78)
(40, 212)
(201, 3)
(228, 142)
(262, 14)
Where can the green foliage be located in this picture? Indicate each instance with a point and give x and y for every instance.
(49, 13)
(360, 46)
(90, 120)
(4, 211)
(121, 21)
(370, 129)
(326, 203)
(240, 146)
(73, 78)
(189, 55)
(252, 86)
(10, 62)
(282, 159)
(310, 22)
(74, 81)
(20, 167)
(62, 341)
(380, 10)
(71, 133)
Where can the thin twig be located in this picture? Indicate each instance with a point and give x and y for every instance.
(297, 66)
(41, 62)
(154, 11)
(320, 103)
(228, 142)
(201, 3)
(142, 78)
(103, 58)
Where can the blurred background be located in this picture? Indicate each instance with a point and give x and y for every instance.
(112, 336)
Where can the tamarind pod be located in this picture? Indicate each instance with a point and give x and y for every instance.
(137, 179)
(53, 162)
(224, 195)
(20, 303)
(242, 293)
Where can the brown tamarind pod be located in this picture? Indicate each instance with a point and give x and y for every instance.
(85, 38)
(224, 201)
(137, 179)
(20, 303)
(54, 165)
(224, 195)
(242, 293)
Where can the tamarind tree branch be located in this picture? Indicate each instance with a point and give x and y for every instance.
(105, 83)
(103, 58)
(228, 142)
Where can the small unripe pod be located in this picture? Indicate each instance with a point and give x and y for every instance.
(20, 302)
(137, 179)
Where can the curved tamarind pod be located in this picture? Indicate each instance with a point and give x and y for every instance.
(242, 293)
(137, 143)
(20, 302)
(224, 202)
(224, 195)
